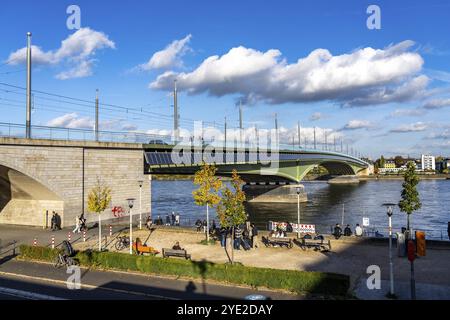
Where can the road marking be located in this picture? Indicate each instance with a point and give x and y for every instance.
(27, 294)
(86, 286)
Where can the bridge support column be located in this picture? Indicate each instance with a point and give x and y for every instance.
(350, 179)
(274, 193)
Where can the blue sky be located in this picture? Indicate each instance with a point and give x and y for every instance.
(393, 101)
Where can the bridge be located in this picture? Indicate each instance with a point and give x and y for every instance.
(253, 165)
(56, 169)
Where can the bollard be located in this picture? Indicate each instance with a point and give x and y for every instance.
(84, 236)
(53, 242)
(35, 242)
(110, 230)
(69, 236)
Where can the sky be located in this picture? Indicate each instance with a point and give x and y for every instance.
(315, 63)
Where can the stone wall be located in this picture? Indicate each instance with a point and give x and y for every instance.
(57, 176)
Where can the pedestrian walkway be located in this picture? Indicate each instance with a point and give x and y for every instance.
(402, 289)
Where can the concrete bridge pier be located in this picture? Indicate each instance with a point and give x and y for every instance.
(346, 179)
(285, 193)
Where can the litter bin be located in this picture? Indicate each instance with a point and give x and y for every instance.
(420, 243)
(401, 244)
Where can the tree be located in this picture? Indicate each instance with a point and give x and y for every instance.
(382, 162)
(410, 201)
(231, 209)
(99, 199)
(207, 193)
(399, 161)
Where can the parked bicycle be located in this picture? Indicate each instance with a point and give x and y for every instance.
(122, 243)
(65, 258)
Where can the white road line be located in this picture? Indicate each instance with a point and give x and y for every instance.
(87, 286)
(27, 294)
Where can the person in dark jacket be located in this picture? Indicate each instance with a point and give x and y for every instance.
(337, 231)
(255, 242)
(347, 231)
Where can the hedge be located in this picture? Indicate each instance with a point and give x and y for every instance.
(291, 280)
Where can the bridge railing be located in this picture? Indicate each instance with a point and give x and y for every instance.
(57, 133)
(60, 133)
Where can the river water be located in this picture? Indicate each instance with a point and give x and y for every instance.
(325, 205)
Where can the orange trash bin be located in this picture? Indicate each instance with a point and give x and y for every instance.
(420, 243)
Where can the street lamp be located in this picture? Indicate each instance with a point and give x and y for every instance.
(141, 182)
(391, 265)
(299, 190)
(130, 205)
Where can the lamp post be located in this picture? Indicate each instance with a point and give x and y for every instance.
(298, 189)
(140, 203)
(130, 205)
(391, 265)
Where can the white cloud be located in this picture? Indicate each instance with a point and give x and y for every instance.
(413, 127)
(170, 56)
(407, 113)
(77, 50)
(358, 124)
(437, 104)
(365, 76)
(71, 120)
(316, 116)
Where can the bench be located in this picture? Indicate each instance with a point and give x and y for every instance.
(141, 249)
(166, 252)
(282, 242)
(317, 244)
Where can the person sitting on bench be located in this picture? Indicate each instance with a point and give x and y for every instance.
(337, 231)
(176, 246)
(347, 231)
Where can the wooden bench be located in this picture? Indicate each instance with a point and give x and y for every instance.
(167, 252)
(282, 242)
(317, 244)
(141, 249)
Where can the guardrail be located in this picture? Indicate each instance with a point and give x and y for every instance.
(13, 130)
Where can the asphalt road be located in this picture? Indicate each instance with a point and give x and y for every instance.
(37, 281)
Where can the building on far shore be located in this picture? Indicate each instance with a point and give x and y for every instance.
(428, 162)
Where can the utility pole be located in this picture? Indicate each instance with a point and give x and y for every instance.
(342, 149)
(347, 149)
(334, 142)
(299, 136)
(240, 121)
(28, 116)
(96, 115)
(314, 138)
(257, 136)
(326, 143)
(175, 112)
(225, 134)
(276, 129)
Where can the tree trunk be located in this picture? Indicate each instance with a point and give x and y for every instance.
(99, 232)
(207, 223)
(232, 245)
(225, 247)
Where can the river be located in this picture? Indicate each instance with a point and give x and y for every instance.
(325, 205)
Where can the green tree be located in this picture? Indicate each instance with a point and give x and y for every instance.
(381, 162)
(231, 209)
(207, 193)
(410, 200)
(99, 198)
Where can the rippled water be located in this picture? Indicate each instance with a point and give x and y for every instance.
(324, 206)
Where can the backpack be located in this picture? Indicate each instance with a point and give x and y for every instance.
(68, 249)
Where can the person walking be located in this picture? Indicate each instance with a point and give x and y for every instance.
(255, 243)
(177, 219)
(53, 221)
(173, 218)
(237, 238)
(167, 220)
(77, 225)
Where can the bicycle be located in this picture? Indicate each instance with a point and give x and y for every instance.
(64, 260)
(122, 243)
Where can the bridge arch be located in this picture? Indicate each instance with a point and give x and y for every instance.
(24, 197)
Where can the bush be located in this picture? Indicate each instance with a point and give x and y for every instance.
(291, 280)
